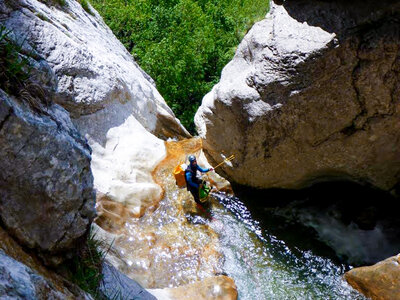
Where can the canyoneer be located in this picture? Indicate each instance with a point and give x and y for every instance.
(193, 183)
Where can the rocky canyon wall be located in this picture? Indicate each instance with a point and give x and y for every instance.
(97, 129)
(312, 94)
(112, 102)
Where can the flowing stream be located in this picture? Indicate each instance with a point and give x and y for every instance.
(177, 243)
(264, 267)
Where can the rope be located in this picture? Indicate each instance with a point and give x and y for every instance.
(225, 160)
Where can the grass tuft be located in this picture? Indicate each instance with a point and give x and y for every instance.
(86, 267)
(15, 73)
(42, 17)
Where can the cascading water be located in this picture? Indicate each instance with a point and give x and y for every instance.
(264, 267)
(177, 243)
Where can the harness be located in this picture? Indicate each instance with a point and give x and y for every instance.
(194, 176)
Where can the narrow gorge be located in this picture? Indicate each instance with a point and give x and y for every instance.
(309, 106)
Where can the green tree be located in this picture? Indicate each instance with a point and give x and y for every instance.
(182, 44)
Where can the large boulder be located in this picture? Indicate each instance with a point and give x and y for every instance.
(312, 94)
(112, 102)
(378, 282)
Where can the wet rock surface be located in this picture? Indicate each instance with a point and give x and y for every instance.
(161, 248)
(217, 288)
(311, 95)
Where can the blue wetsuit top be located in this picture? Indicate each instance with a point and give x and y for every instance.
(191, 178)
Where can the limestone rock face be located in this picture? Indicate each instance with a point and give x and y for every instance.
(378, 282)
(113, 103)
(312, 94)
(94, 70)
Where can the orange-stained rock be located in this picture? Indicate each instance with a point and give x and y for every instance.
(215, 288)
(378, 282)
(112, 215)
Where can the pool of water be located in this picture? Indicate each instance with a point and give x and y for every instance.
(267, 267)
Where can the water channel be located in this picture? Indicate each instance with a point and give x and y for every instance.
(271, 252)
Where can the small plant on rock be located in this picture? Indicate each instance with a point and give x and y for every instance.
(85, 6)
(86, 267)
(15, 73)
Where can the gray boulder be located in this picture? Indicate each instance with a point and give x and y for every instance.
(312, 94)
(46, 185)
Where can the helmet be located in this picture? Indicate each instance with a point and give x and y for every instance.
(192, 158)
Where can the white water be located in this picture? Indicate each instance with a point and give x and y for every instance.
(264, 267)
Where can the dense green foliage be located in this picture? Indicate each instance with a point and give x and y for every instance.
(182, 44)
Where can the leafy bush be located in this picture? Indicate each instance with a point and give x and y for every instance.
(14, 68)
(182, 44)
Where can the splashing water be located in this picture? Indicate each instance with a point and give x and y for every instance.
(264, 267)
(178, 243)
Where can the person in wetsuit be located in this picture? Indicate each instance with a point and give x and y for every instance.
(193, 183)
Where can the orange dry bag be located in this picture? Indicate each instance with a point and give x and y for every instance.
(179, 173)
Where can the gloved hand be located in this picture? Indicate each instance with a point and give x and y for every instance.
(211, 169)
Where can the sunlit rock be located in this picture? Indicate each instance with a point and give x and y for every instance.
(311, 95)
(113, 102)
(94, 71)
(378, 282)
(217, 288)
(122, 168)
